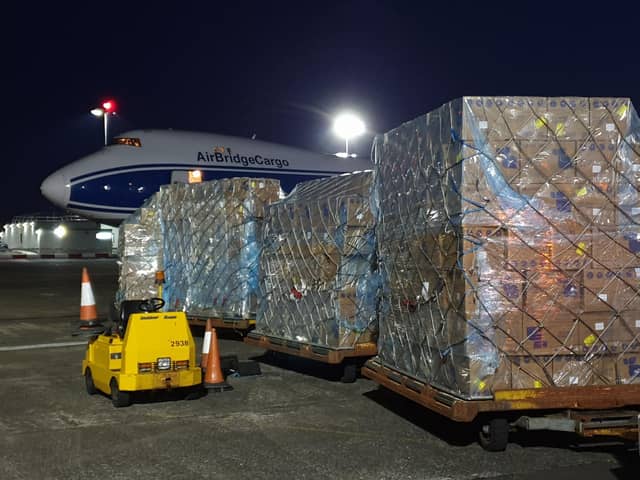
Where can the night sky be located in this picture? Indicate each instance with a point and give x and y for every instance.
(280, 70)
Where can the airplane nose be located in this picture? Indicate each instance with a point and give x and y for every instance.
(55, 188)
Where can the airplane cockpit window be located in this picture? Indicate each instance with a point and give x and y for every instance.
(132, 142)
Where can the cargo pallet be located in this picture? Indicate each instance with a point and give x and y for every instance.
(216, 322)
(349, 357)
(588, 411)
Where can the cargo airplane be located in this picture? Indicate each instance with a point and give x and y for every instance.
(110, 184)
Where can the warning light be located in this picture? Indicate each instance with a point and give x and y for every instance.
(195, 176)
(109, 106)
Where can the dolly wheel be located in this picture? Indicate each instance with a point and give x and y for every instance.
(349, 372)
(88, 382)
(118, 398)
(494, 436)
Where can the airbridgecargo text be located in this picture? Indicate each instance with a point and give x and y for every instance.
(227, 156)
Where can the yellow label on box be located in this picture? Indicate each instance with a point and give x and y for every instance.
(622, 111)
(582, 192)
(540, 122)
(581, 248)
(537, 384)
(590, 340)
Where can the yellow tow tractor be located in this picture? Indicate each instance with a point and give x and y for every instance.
(145, 350)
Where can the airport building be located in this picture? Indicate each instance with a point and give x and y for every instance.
(51, 234)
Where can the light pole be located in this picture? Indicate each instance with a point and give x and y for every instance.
(108, 108)
(348, 125)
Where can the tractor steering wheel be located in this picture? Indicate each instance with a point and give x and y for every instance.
(151, 305)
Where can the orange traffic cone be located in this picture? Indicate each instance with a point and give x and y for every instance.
(206, 342)
(89, 324)
(213, 379)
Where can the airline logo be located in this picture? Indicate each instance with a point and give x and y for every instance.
(226, 156)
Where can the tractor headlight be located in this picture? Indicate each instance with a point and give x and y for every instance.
(163, 363)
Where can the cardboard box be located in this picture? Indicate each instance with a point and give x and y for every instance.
(508, 333)
(628, 215)
(531, 372)
(631, 152)
(483, 379)
(611, 290)
(563, 202)
(597, 161)
(357, 211)
(604, 219)
(551, 334)
(628, 368)
(610, 117)
(492, 297)
(548, 291)
(568, 118)
(478, 180)
(525, 254)
(617, 249)
(547, 161)
(347, 303)
(630, 322)
(483, 248)
(504, 118)
(471, 375)
(606, 333)
(483, 118)
(547, 250)
(498, 159)
(555, 198)
(571, 251)
(509, 158)
(579, 370)
(525, 117)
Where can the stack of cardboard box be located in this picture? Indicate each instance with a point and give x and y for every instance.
(209, 236)
(317, 277)
(141, 254)
(527, 275)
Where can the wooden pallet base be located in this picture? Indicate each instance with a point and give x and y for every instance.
(314, 352)
(461, 410)
(233, 323)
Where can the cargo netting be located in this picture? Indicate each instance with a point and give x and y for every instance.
(318, 273)
(206, 238)
(509, 236)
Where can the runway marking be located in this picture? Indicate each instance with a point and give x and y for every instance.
(41, 345)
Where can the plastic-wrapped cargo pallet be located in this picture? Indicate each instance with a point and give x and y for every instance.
(210, 238)
(509, 232)
(317, 270)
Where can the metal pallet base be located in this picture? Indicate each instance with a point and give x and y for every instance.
(233, 323)
(314, 352)
(606, 397)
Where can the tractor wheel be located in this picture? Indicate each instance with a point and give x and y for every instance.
(119, 398)
(494, 436)
(88, 382)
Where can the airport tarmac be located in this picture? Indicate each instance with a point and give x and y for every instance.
(293, 421)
